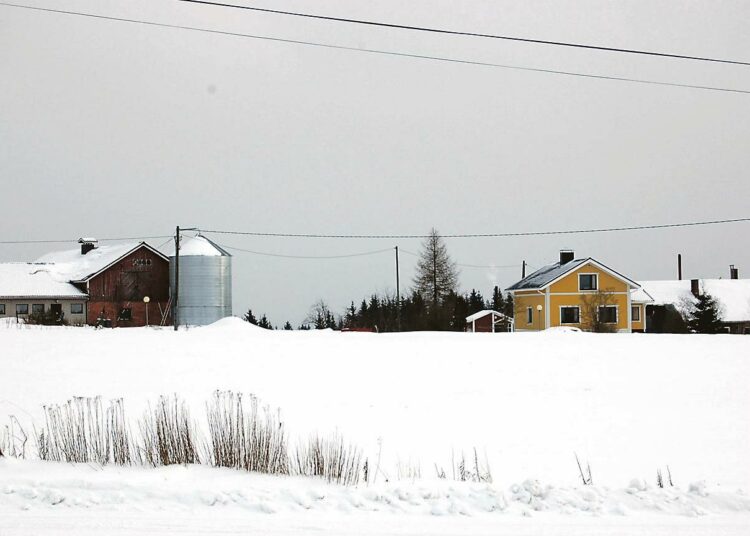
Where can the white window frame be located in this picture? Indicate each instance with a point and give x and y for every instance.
(633, 309)
(529, 315)
(37, 305)
(617, 313)
(22, 304)
(596, 282)
(71, 308)
(570, 307)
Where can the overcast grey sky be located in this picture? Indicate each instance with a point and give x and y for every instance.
(115, 129)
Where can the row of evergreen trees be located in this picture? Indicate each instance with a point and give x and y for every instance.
(433, 303)
(381, 313)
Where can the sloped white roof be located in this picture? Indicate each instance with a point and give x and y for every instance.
(196, 246)
(71, 265)
(640, 295)
(733, 295)
(482, 314)
(34, 280)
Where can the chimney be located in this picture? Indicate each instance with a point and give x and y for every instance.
(87, 244)
(695, 287)
(566, 255)
(734, 273)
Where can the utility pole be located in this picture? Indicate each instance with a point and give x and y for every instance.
(398, 295)
(175, 310)
(679, 266)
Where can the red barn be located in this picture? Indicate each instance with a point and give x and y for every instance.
(116, 279)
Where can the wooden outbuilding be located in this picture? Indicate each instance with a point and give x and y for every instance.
(488, 321)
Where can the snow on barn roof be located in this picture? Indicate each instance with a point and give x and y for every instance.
(72, 265)
(482, 314)
(733, 294)
(198, 246)
(34, 280)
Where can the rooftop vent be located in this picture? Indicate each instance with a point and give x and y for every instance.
(87, 244)
(566, 255)
(734, 273)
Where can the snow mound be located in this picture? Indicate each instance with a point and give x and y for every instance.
(34, 485)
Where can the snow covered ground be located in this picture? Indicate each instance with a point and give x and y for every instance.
(626, 404)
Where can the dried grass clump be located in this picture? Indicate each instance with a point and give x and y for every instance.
(168, 435)
(81, 431)
(329, 458)
(243, 439)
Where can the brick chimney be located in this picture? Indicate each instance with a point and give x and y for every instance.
(87, 244)
(695, 287)
(734, 273)
(566, 255)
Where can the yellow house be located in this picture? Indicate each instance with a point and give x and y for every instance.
(581, 293)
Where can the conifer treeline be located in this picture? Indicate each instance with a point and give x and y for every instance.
(434, 304)
(381, 313)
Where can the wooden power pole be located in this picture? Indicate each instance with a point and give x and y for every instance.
(175, 298)
(398, 295)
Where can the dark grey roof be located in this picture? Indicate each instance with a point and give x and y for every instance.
(547, 274)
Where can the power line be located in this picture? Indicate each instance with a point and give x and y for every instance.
(384, 52)
(463, 265)
(478, 235)
(346, 256)
(9, 242)
(468, 34)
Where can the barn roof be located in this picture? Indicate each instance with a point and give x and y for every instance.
(20, 280)
(72, 265)
(732, 294)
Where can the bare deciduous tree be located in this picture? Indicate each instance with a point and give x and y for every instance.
(592, 318)
(437, 276)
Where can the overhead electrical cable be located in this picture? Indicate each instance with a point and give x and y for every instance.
(345, 256)
(76, 239)
(385, 52)
(445, 31)
(463, 265)
(480, 235)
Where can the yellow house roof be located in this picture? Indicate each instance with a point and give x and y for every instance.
(547, 275)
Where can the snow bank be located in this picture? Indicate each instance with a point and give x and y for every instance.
(51, 486)
(626, 404)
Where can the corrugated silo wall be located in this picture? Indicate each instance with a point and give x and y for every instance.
(205, 288)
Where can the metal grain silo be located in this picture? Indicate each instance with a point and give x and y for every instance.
(205, 293)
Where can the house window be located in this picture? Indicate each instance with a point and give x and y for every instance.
(635, 313)
(587, 282)
(570, 315)
(76, 308)
(608, 314)
(529, 315)
(22, 308)
(37, 309)
(2, 309)
(126, 313)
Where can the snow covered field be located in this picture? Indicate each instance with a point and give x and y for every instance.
(626, 404)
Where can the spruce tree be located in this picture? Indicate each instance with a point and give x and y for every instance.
(264, 323)
(498, 302)
(287, 326)
(705, 315)
(250, 317)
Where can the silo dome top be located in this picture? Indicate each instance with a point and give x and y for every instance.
(199, 246)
